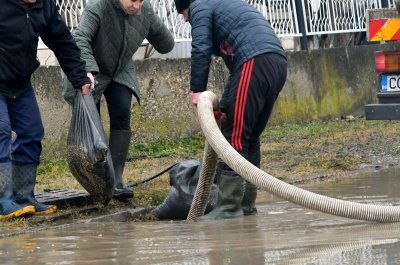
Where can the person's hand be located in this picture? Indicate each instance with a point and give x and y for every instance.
(92, 80)
(195, 97)
(217, 114)
(86, 88)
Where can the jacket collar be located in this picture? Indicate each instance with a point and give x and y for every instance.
(117, 4)
(38, 4)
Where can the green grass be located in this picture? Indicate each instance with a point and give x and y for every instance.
(321, 147)
(323, 128)
(184, 147)
(55, 166)
(329, 147)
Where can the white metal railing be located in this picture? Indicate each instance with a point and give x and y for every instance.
(319, 16)
(174, 21)
(338, 16)
(71, 10)
(280, 13)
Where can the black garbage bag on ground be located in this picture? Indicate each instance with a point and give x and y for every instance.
(183, 180)
(87, 152)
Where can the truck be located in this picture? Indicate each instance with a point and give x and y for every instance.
(383, 25)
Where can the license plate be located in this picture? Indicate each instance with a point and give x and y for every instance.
(390, 83)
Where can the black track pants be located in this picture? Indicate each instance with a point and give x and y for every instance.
(250, 99)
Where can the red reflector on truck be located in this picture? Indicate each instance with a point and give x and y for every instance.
(387, 62)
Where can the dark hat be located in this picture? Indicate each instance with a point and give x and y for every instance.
(181, 5)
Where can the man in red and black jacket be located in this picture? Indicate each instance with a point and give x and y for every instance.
(237, 32)
(21, 25)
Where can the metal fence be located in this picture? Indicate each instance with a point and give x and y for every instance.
(339, 16)
(289, 18)
(318, 16)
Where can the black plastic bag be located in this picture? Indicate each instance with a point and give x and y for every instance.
(88, 155)
(183, 179)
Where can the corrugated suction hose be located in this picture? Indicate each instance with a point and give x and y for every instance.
(207, 102)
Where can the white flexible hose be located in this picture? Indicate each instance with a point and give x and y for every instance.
(264, 181)
(204, 184)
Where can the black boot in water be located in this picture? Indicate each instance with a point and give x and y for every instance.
(230, 195)
(249, 199)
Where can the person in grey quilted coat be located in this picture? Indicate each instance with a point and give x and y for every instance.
(108, 34)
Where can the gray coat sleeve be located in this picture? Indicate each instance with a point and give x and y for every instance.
(86, 32)
(159, 35)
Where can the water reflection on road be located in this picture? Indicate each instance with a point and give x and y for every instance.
(282, 233)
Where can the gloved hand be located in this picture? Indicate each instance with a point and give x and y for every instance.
(217, 115)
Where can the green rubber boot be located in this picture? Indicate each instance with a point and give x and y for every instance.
(24, 178)
(249, 199)
(119, 146)
(230, 196)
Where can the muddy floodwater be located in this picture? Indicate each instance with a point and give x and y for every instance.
(281, 233)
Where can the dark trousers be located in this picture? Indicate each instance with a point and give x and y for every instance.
(252, 92)
(20, 115)
(118, 98)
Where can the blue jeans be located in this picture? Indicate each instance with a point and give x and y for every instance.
(20, 115)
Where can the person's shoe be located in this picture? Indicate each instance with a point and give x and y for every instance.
(123, 193)
(24, 177)
(14, 210)
(9, 209)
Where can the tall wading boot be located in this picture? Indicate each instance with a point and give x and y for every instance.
(8, 207)
(119, 146)
(230, 196)
(24, 177)
(250, 191)
(249, 199)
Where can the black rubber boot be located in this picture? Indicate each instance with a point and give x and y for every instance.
(119, 146)
(249, 199)
(8, 207)
(230, 196)
(24, 177)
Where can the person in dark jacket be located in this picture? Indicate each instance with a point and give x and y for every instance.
(237, 32)
(21, 25)
(108, 34)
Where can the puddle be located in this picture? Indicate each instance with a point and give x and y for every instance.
(281, 233)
